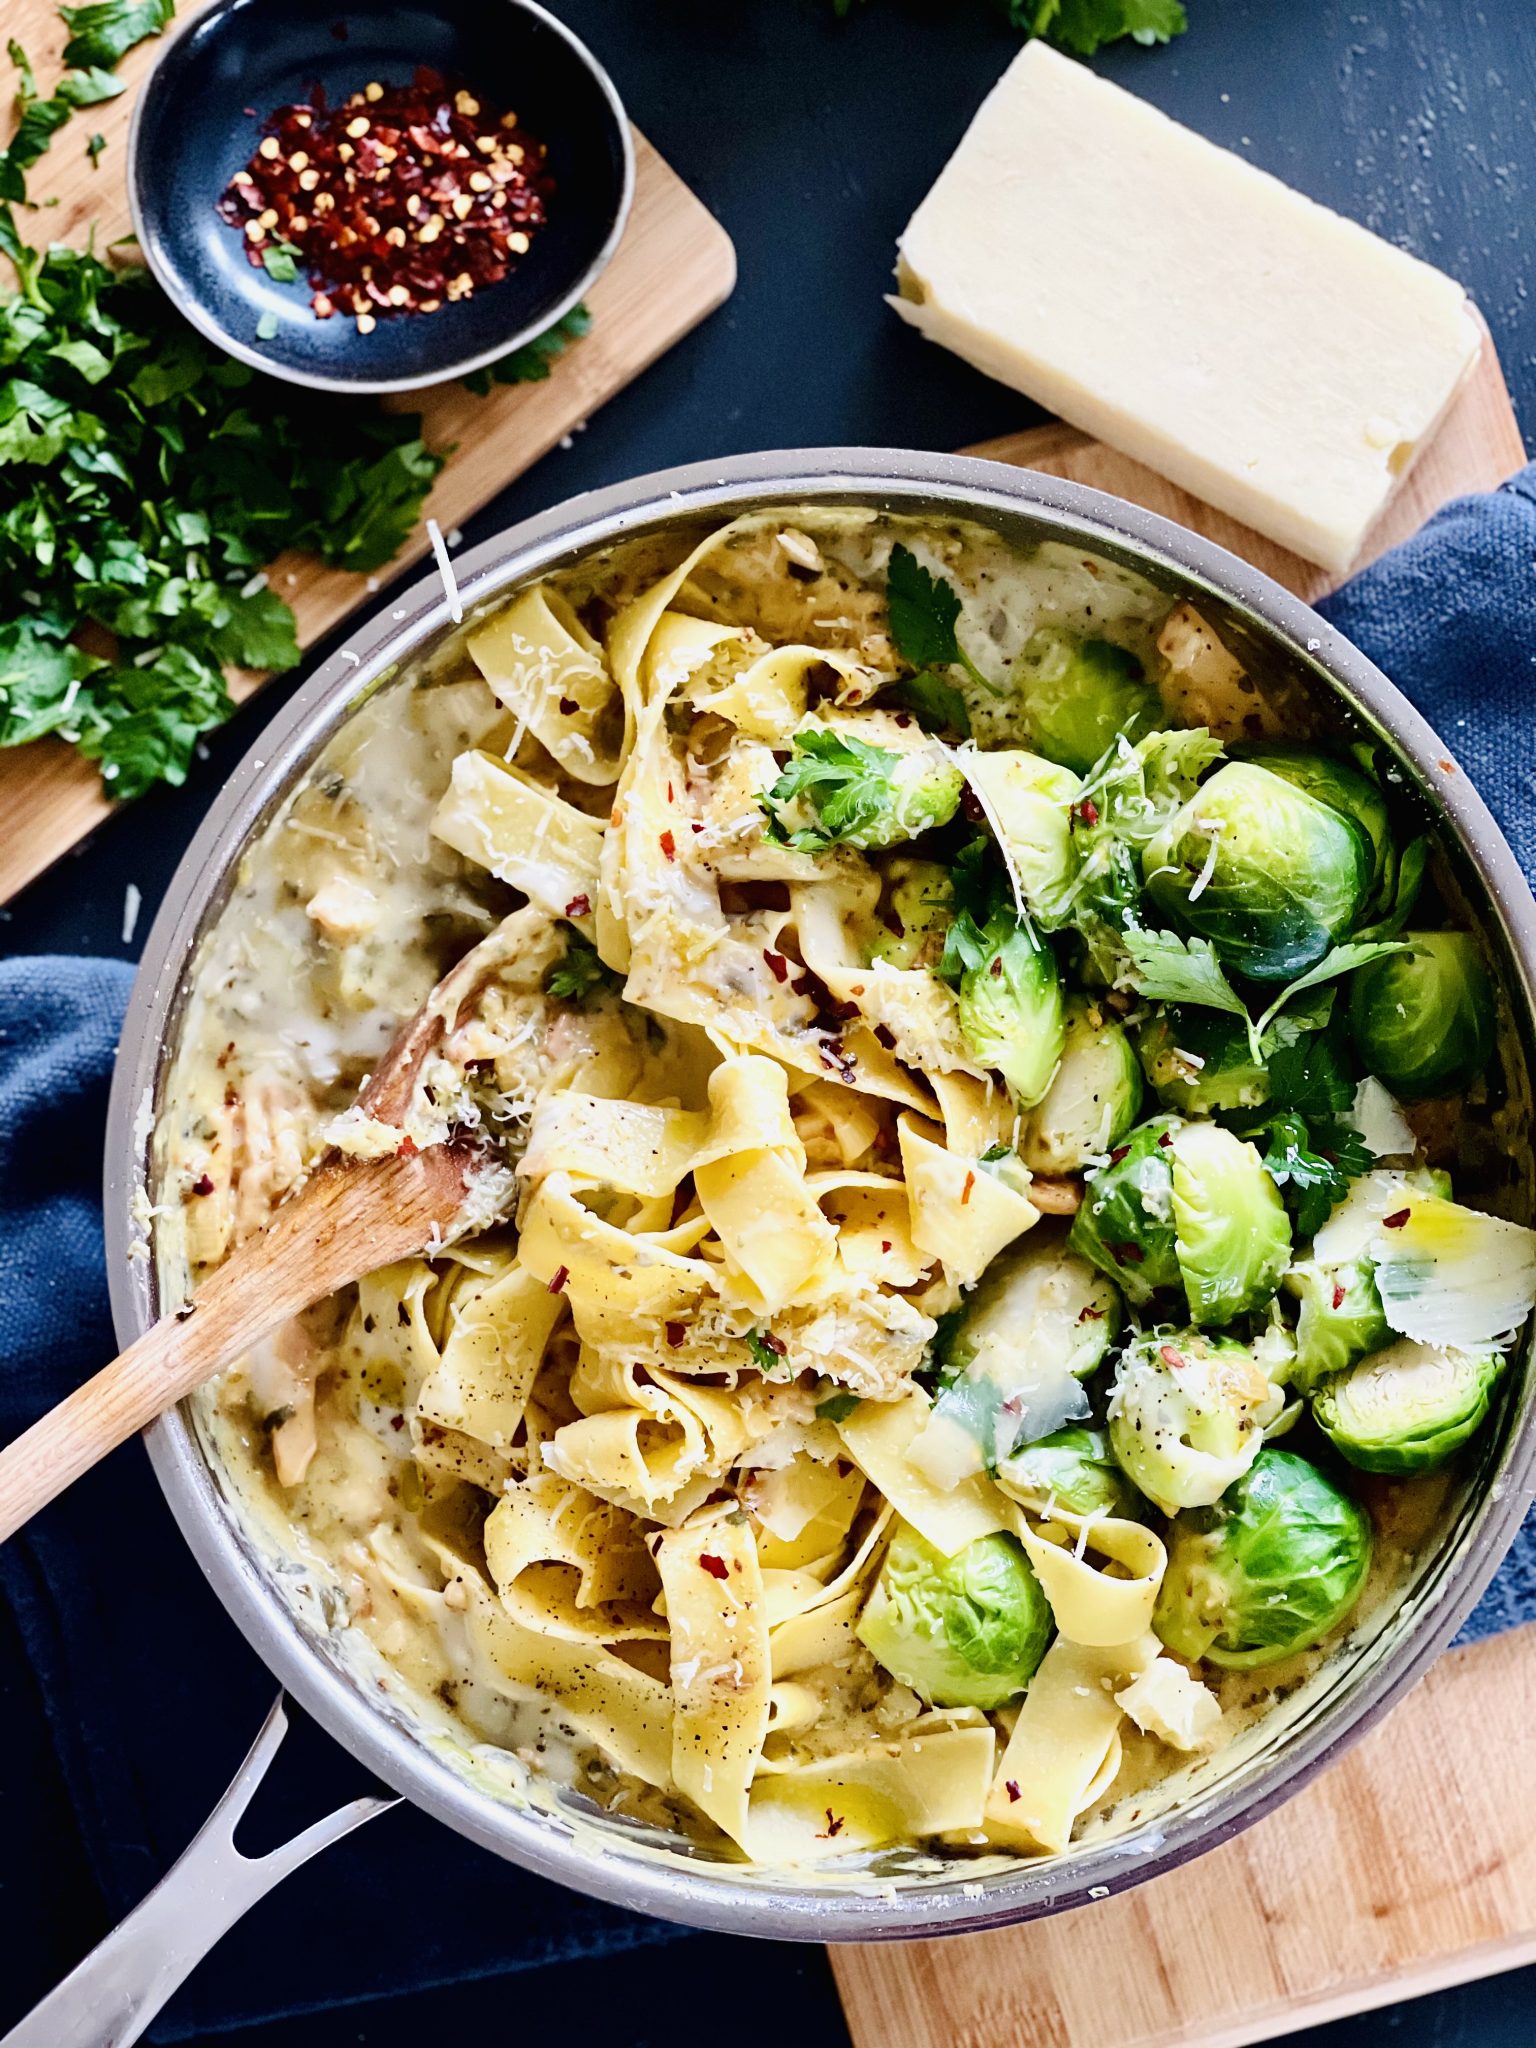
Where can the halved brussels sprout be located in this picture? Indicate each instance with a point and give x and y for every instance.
(921, 908)
(1011, 1011)
(1200, 1061)
(1073, 1469)
(1345, 789)
(1038, 1307)
(1029, 800)
(1125, 1225)
(1232, 1236)
(962, 1631)
(1341, 1318)
(1406, 1409)
(1186, 1417)
(1265, 1571)
(1013, 1355)
(1092, 1102)
(1423, 1020)
(1266, 872)
(1081, 695)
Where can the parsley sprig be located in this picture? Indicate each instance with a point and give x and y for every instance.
(924, 611)
(580, 977)
(1085, 26)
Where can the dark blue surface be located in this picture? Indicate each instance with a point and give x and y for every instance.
(813, 141)
(201, 116)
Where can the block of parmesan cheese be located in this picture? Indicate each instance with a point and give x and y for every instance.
(1280, 362)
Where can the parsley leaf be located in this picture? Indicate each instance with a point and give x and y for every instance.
(280, 260)
(846, 783)
(768, 1355)
(924, 610)
(1313, 1163)
(938, 706)
(836, 1407)
(105, 30)
(94, 148)
(1169, 969)
(581, 977)
(1336, 961)
(532, 363)
(1085, 26)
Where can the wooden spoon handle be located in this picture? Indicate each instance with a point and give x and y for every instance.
(347, 1220)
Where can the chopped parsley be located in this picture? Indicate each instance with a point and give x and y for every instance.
(1085, 26)
(768, 1354)
(532, 363)
(579, 978)
(924, 611)
(837, 1407)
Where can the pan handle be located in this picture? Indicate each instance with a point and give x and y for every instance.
(109, 1999)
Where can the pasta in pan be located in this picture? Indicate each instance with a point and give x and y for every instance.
(817, 1434)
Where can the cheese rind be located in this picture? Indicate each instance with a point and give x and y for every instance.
(1277, 360)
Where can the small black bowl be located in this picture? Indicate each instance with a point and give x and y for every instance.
(194, 127)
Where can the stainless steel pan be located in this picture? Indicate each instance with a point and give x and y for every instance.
(578, 1847)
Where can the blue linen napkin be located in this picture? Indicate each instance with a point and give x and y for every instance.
(150, 1695)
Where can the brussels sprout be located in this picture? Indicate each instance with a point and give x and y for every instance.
(1265, 871)
(1186, 1415)
(962, 1631)
(856, 795)
(1232, 1236)
(1012, 1356)
(1011, 1010)
(1265, 1571)
(1201, 1061)
(1341, 1318)
(1125, 1225)
(1406, 1409)
(1093, 1100)
(1423, 1020)
(920, 910)
(1073, 1469)
(1081, 695)
(1038, 1305)
(1029, 801)
(1344, 788)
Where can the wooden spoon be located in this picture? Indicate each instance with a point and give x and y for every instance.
(350, 1217)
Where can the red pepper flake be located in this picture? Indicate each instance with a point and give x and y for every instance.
(1396, 1220)
(775, 1344)
(1118, 1154)
(397, 1422)
(558, 1279)
(407, 1148)
(579, 906)
(1338, 1295)
(1171, 1355)
(778, 966)
(1012, 1788)
(1165, 1141)
(1090, 1315)
(903, 719)
(885, 1244)
(1127, 1254)
(669, 846)
(1088, 811)
(676, 1332)
(715, 1566)
(965, 1192)
(971, 805)
(671, 799)
(203, 1185)
(1447, 767)
(996, 969)
(834, 1825)
(403, 199)
(568, 707)
(886, 1037)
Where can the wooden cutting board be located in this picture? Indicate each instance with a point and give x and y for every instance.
(674, 265)
(1410, 1865)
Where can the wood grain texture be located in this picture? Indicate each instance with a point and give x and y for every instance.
(1364, 1889)
(674, 266)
